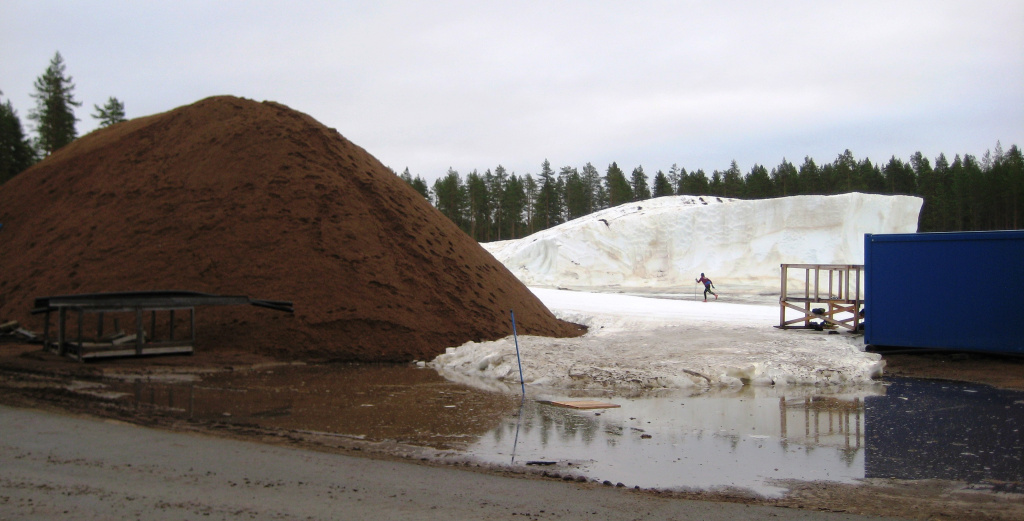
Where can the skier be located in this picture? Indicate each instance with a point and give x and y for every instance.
(707, 287)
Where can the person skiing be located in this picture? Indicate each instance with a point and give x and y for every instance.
(707, 287)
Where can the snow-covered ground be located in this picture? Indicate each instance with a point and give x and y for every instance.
(650, 329)
(641, 344)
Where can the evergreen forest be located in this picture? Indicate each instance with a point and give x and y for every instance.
(962, 194)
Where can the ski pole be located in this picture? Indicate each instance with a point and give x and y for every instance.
(518, 359)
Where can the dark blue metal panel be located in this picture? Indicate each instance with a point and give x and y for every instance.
(960, 291)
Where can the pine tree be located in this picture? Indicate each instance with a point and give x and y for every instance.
(513, 203)
(616, 186)
(450, 197)
(757, 183)
(662, 184)
(638, 182)
(845, 175)
(732, 181)
(807, 178)
(784, 178)
(54, 113)
(871, 176)
(1015, 170)
(592, 180)
(112, 112)
(16, 152)
(577, 193)
(697, 183)
(928, 189)
(479, 206)
(418, 184)
(529, 199)
(496, 192)
(547, 209)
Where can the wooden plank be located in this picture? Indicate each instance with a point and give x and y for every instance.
(132, 352)
(582, 404)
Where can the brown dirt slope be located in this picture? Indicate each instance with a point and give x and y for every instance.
(231, 196)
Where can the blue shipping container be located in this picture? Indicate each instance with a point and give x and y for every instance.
(957, 291)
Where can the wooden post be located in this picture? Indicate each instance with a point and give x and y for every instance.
(79, 348)
(856, 311)
(172, 325)
(139, 331)
(807, 295)
(782, 298)
(61, 317)
(831, 286)
(152, 324)
(46, 331)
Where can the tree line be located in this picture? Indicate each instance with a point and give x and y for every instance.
(54, 117)
(964, 194)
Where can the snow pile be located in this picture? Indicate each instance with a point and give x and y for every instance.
(638, 344)
(659, 246)
(668, 241)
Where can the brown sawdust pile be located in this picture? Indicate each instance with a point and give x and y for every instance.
(235, 197)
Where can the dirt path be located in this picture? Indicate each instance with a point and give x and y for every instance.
(64, 467)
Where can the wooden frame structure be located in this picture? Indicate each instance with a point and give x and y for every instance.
(138, 303)
(842, 297)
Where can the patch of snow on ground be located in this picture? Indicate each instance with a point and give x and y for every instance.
(639, 344)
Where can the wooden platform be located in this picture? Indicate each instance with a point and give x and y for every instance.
(831, 294)
(110, 309)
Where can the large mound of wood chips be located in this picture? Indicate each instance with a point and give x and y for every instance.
(235, 197)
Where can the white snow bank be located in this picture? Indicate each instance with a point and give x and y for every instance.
(640, 344)
(668, 241)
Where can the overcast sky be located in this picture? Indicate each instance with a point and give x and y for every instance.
(432, 85)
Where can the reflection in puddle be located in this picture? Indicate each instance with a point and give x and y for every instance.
(754, 439)
(744, 440)
(908, 429)
(384, 403)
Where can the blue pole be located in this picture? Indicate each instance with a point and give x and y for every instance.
(516, 337)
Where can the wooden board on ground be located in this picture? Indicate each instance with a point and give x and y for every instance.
(582, 404)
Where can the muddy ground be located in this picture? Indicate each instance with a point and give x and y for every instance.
(412, 422)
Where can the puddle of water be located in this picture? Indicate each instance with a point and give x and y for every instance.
(759, 438)
(753, 439)
(384, 403)
(926, 429)
(745, 440)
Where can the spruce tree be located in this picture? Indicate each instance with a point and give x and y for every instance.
(638, 182)
(617, 187)
(54, 113)
(662, 184)
(16, 152)
(547, 205)
(112, 112)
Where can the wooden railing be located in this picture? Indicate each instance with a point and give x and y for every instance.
(832, 294)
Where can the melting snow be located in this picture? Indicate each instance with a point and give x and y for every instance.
(641, 343)
(668, 241)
